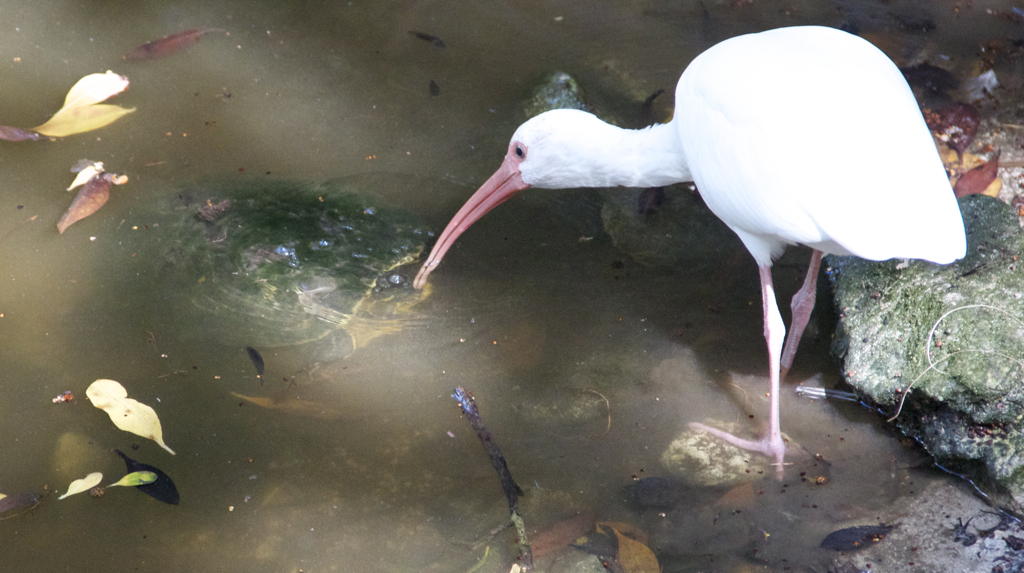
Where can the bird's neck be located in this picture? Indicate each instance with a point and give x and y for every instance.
(649, 157)
(598, 154)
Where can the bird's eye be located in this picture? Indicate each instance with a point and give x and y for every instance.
(520, 151)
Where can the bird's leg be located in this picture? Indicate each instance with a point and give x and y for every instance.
(774, 333)
(802, 305)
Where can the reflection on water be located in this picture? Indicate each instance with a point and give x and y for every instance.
(585, 365)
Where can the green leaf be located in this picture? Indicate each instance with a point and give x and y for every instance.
(135, 479)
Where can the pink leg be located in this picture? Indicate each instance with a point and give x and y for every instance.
(802, 305)
(774, 332)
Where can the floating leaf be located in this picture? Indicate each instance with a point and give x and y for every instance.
(86, 170)
(136, 479)
(93, 196)
(162, 489)
(126, 413)
(80, 485)
(94, 88)
(69, 121)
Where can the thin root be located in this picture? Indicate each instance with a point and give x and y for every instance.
(934, 365)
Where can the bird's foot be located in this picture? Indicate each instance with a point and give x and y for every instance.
(770, 447)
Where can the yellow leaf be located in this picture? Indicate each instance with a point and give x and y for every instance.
(993, 188)
(94, 88)
(79, 119)
(127, 414)
(80, 485)
(635, 557)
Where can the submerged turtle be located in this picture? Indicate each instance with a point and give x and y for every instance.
(284, 263)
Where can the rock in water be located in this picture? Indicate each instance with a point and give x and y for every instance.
(947, 340)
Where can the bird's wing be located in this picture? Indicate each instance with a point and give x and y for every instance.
(825, 146)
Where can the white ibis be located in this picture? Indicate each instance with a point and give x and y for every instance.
(802, 135)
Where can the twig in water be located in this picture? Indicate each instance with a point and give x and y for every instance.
(508, 485)
(606, 405)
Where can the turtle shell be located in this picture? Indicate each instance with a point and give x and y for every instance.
(284, 263)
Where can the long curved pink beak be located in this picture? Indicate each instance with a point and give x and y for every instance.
(505, 182)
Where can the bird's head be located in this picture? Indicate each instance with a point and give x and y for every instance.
(542, 153)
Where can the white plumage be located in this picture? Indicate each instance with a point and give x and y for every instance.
(800, 135)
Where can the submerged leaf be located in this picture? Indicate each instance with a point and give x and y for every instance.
(94, 88)
(79, 119)
(294, 406)
(16, 503)
(853, 538)
(168, 45)
(80, 485)
(257, 362)
(135, 479)
(162, 489)
(635, 557)
(126, 413)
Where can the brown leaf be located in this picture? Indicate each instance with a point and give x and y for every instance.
(168, 45)
(16, 134)
(557, 537)
(635, 557)
(88, 201)
(956, 124)
(979, 179)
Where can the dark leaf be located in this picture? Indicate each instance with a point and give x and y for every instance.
(853, 538)
(16, 134)
(168, 45)
(257, 361)
(14, 503)
(162, 489)
(932, 78)
(428, 38)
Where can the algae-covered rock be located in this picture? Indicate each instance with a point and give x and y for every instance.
(557, 91)
(680, 231)
(705, 460)
(950, 339)
(281, 263)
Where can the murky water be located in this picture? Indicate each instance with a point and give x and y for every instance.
(585, 364)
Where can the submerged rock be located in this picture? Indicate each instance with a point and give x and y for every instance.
(949, 341)
(705, 460)
(558, 91)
